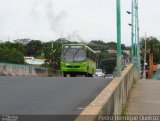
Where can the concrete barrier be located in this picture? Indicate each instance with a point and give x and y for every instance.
(113, 97)
(26, 70)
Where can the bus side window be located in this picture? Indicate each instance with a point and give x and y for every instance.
(91, 55)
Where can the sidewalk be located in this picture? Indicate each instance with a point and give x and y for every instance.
(145, 98)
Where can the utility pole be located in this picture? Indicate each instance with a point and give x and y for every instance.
(150, 62)
(135, 31)
(144, 68)
(119, 52)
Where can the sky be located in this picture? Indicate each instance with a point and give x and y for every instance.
(76, 20)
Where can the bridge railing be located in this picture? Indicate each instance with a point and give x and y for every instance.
(113, 98)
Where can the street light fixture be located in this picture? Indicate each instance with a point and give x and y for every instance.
(138, 62)
(132, 30)
(135, 34)
(128, 12)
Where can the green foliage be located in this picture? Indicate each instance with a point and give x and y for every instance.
(22, 41)
(17, 46)
(107, 62)
(124, 110)
(49, 54)
(52, 55)
(98, 45)
(151, 42)
(111, 45)
(11, 56)
(34, 48)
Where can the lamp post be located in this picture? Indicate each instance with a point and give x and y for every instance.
(132, 31)
(135, 49)
(119, 55)
(137, 39)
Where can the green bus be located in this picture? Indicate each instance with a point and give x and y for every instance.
(78, 59)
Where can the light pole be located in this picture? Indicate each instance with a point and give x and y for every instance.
(132, 31)
(119, 55)
(135, 50)
(138, 60)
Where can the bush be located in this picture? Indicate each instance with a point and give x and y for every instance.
(11, 56)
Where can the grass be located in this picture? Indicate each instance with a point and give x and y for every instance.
(125, 108)
(133, 83)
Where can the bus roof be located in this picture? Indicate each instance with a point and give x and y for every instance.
(86, 47)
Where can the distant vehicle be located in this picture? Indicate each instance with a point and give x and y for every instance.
(78, 59)
(99, 73)
(109, 76)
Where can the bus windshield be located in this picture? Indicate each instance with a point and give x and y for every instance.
(73, 54)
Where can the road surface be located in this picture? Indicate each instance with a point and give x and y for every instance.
(48, 95)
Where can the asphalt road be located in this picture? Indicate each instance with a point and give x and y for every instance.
(48, 95)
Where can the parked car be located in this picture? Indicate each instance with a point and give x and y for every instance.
(99, 73)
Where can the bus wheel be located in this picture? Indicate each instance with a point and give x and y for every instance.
(86, 74)
(90, 75)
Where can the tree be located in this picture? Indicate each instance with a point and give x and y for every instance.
(111, 45)
(17, 46)
(156, 48)
(34, 48)
(52, 55)
(98, 45)
(49, 54)
(107, 62)
(22, 41)
(11, 55)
